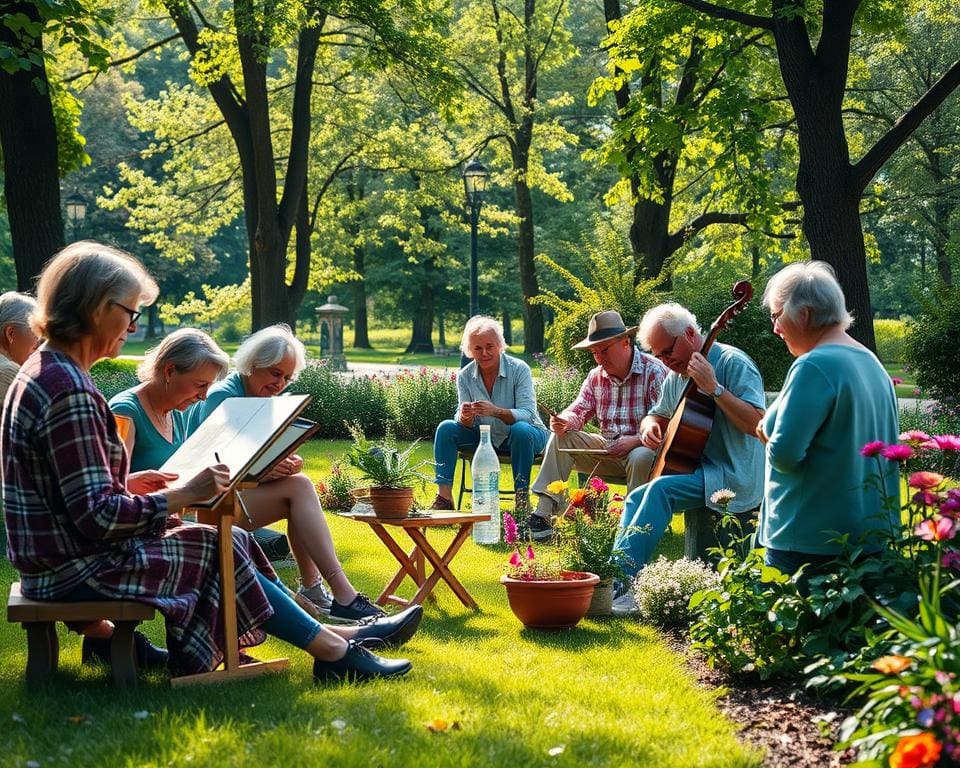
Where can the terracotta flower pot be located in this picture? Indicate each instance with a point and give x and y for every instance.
(555, 604)
(602, 602)
(391, 502)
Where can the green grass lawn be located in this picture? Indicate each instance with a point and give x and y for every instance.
(608, 693)
(909, 385)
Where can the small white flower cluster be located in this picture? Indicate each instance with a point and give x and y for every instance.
(722, 497)
(663, 589)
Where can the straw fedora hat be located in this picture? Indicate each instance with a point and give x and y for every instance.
(605, 326)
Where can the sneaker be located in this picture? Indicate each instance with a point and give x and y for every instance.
(315, 600)
(96, 650)
(540, 528)
(441, 504)
(359, 608)
(625, 605)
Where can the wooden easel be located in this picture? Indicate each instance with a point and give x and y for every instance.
(222, 515)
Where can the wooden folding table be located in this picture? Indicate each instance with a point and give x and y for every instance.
(414, 563)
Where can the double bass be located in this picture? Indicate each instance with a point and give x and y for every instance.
(689, 428)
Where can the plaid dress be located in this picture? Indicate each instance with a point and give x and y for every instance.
(70, 520)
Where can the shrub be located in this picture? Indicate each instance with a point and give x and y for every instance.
(663, 589)
(931, 348)
(557, 385)
(114, 376)
(334, 489)
(891, 339)
(419, 400)
(338, 399)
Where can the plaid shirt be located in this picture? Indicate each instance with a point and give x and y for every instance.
(70, 520)
(618, 406)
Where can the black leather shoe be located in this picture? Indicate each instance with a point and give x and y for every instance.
(394, 630)
(96, 650)
(358, 663)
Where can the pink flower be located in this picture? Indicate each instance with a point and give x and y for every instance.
(927, 498)
(515, 560)
(598, 485)
(530, 555)
(947, 442)
(896, 452)
(509, 528)
(872, 449)
(950, 507)
(940, 529)
(916, 392)
(914, 436)
(951, 560)
(925, 480)
(896, 380)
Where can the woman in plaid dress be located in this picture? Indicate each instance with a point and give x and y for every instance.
(80, 528)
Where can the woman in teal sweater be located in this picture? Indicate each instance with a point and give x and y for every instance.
(837, 397)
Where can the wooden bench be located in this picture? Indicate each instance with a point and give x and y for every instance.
(465, 456)
(39, 618)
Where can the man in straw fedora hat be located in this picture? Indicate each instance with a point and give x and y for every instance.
(617, 393)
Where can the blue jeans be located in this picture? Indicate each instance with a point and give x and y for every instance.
(289, 621)
(523, 442)
(646, 514)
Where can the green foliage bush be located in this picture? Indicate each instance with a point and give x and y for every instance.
(557, 386)
(334, 489)
(336, 399)
(931, 348)
(114, 376)
(891, 340)
(419, 400)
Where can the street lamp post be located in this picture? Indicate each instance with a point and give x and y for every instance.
(474, 184)
(76, 206)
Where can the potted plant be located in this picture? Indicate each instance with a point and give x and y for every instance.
(390, 472)
(586, 534)
(541, 593)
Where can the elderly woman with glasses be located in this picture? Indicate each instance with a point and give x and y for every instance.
(836, 398)
(82, 528)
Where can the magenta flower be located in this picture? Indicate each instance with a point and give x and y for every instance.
(947, 442)
(872, 449)
(940, 529)
(927, 498)
(530, 555)
(896, 380)
(598, 485)
(950, 508)
(896, 452)
(914, 436)
(509, 528)
(515, 560)
(951, 560)
(916, 392)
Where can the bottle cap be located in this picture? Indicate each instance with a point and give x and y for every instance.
(484, 427)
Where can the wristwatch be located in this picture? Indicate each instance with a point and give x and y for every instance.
(718, 391)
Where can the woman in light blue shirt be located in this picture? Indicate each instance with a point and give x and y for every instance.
(495, 389)
(837, 397)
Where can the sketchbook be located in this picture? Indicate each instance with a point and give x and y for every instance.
(248, 434)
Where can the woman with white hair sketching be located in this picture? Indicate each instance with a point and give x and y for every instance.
(267, 362)
(17, 339)
(495, 389)
(836, 398)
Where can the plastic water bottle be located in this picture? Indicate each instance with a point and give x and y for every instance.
(485, 475)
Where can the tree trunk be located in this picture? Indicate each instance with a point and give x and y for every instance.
(31, 175)
(507, 330)
(422, 338)
(441, 331)
(942, 213)
(361, 337)
(154, 325)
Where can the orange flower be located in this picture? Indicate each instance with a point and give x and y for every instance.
(925, 481)
(578, 497)
(891, 665)
(921, 750)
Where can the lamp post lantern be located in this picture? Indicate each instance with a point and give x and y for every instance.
(76, 206)
(474, 184)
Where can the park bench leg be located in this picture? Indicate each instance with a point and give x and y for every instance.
(123, 655)
(698, 532)
(43, 651)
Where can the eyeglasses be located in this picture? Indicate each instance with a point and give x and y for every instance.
(134, 315)
(775, 316)
(668, 351)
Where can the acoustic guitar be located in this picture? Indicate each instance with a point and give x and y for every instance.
(689, 428)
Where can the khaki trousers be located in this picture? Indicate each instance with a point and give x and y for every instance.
(557, 465)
